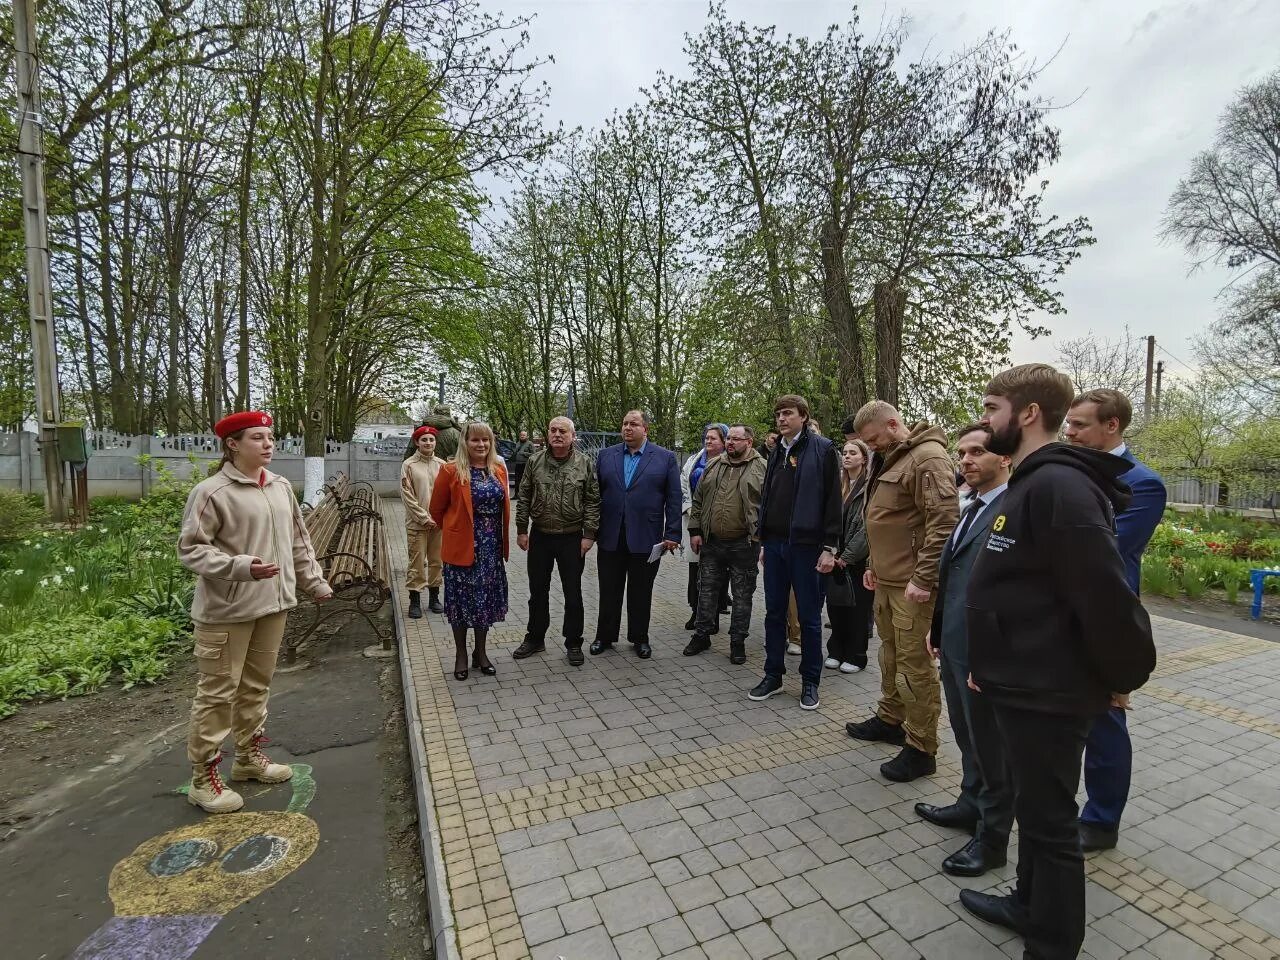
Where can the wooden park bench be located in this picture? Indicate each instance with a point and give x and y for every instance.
(1258, 579)
(350, 542)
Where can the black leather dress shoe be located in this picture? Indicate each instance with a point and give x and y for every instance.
(953, 816)
(974, 859)
(1094, 837)
(1002, 911)
(600, 646)
(643, 650)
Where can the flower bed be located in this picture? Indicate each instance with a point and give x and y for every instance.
(81, 608)
(1190, 554)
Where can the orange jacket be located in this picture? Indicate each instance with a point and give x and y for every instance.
(451, 510)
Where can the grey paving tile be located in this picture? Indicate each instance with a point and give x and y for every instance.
(636, 945)
(633, 906)
(578, 915)
(813, 931)
(665, 840)
(538, 863)
(1172, 945)
(954, 942)
(911, 911)
(594, 943)
(602, 846)
(539, 896)
(844, 883)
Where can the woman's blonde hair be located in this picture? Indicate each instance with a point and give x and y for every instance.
(866, 462)
(462, 459)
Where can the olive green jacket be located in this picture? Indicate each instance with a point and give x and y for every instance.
(559, 496)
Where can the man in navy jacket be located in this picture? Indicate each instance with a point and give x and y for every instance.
(639, 508)
(1098, 420)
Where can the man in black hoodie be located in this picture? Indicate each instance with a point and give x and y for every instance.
(1054, 631)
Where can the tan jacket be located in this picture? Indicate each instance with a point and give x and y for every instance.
(912, 508)
(417, 477)
(726, 504)
(229, 522)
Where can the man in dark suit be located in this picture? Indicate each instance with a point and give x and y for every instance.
(1098, 420)
(985, 804)
(639, 508)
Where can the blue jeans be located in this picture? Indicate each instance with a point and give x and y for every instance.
(788, 567)
(1108, 765)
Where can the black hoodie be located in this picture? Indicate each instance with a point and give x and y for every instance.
(1053, 625)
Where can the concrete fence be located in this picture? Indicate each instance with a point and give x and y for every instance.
(129, 466)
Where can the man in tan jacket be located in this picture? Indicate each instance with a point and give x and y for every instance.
(912, 509)
(417, 477)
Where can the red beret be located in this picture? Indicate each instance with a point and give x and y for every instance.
(235, 422)
(424, 429)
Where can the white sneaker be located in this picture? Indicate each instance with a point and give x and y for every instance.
(207, 790)
(793, 649)
(850, 668)
(831, 663)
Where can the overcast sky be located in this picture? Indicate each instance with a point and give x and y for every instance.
(1146, 82)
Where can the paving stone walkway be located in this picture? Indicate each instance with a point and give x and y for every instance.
(641, 809)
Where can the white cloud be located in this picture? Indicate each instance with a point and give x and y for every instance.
(1145, 82)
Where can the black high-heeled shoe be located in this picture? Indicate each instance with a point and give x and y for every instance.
(488, 671)
(460, 674)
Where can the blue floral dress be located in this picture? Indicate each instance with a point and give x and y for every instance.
(476, 596)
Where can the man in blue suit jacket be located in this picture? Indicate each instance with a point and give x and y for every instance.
(639, 508)
(1098, 419)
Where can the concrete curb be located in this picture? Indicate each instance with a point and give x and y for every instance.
(444, 934)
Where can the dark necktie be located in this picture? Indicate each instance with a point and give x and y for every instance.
(966, 521)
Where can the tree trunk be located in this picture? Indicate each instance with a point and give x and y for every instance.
(890, 307)
(242, 245)
(844, 318)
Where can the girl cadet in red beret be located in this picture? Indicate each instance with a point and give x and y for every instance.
(243, 537)
(417, 478)
(472, 506)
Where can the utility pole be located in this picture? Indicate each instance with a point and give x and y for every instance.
(440, 394)
(1151, 362)
(36, 229)
(1159, 383)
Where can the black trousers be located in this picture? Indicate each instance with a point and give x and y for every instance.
(563, 550)
(693, 591)
(986, 788)
(851, 624)
(723, 562)
(622, 572)
(1044, 751)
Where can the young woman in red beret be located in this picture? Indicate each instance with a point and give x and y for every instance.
(472, 506)
(243, 537)
(417, 478)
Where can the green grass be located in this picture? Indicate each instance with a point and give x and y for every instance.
(107, 603)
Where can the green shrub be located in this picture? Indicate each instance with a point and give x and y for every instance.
(78, 608)
(20, 514)
(1158, 577)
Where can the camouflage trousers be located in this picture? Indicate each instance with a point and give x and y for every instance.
(735, 562)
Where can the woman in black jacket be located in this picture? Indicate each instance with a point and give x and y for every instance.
(849, 603)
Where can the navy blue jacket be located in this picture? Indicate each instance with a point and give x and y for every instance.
(817, 517)
(651, 504)
(1137, 522)
(949, 630)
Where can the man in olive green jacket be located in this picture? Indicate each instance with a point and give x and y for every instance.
(722, 531)
(559, 497)
(912, 509)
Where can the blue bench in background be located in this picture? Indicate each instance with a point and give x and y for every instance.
(1257, 578)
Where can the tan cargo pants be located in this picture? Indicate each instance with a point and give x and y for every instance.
(425, 569)
(237, 661)
(910, 694)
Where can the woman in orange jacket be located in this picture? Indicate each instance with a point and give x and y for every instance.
(472, 507)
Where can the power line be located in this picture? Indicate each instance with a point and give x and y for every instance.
(1175, 359)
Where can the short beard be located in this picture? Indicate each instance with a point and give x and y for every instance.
(1005, 443)
(735, 454)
